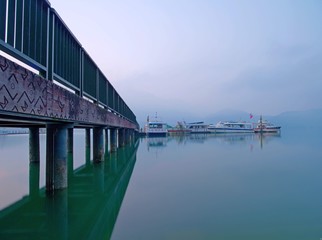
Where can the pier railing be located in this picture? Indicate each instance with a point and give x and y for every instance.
(34, 33)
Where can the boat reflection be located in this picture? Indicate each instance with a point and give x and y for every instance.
(156, 142)
(234, 138)
(86, 210)
(265, 137)
(248, 139)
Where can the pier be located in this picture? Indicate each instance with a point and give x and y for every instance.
(63, 90)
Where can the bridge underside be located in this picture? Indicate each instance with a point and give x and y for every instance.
(28, 99)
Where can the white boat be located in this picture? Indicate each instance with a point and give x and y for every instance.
(197, 127)
(231, 127)
(156, 128)
(264, 126)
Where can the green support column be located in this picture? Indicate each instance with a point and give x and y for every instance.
(106, 140)
(49, 159)
(98, 144)
(106, 144)
(70, 151)
(88, 145)
(60, 158)
(126, 136)
(131, 136)
(113, 137)
(121, 135)
(34, 144)
(56, 159)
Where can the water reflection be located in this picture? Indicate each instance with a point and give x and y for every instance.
(86, 210)
(248, 139)
(265, 138)
(156, 142)
(234, 138)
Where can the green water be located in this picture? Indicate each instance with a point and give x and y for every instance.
(185, 187)
(225, 187)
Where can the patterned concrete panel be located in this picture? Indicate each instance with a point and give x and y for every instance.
(33, 97)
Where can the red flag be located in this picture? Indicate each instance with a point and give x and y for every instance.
(250, 116)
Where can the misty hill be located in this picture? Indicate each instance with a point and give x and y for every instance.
(309, 118)
(229, 115)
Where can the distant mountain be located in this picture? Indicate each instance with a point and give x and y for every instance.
(309, 118)
(300, 119)
(229, 115)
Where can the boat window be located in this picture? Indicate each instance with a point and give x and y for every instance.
(155, 125)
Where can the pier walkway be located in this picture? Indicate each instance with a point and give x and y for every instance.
(63, 89)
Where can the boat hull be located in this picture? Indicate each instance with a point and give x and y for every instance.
(230, 130)
(156, 134)
(178, 131)
(200, 131)
(267, 130)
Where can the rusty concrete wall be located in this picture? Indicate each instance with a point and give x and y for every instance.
(33, 97)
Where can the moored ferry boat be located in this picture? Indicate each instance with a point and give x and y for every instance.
(264, 126)
(231, 127)
(197, 127)
(156, 129)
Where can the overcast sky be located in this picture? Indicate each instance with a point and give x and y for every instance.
(185, 58)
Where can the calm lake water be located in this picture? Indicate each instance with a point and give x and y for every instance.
(186, 187)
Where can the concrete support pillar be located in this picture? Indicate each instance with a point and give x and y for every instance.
(126, 136)
(121, 136)
(98, 144)
(113, 136)
(130, 135)
(34, 144)
(50, 159)
(106, 140)
(56, 159)
(70, 140)
(88, 145)
(134, 135)
(60, 158)
(70, 151)
(106, 155)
